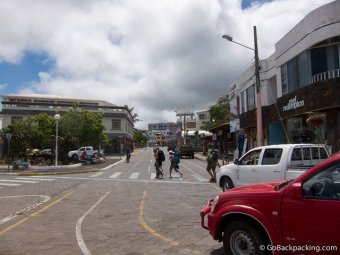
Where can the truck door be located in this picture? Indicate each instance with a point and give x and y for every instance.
(271, 166)
(246, 173)
(312, 218)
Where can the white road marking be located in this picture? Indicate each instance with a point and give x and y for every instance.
(30, 178)
(115, 175)
(200, 178)
(9, 184)
(97, 174)
(20, 181)
(12, 216)
(79, 236)
(134, 176)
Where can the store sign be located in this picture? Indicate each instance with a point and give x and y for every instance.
(293, 104)
(234, 125)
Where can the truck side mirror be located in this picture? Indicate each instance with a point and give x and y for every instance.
(236, 161)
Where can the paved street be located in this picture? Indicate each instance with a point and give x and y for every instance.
(120, 209)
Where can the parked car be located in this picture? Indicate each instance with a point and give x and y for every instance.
(272, 162)
(299, 216)
(46, 151)
(186, 150)
(76, 154)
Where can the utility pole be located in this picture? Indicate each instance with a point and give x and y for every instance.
(259, 127)
(184, 115)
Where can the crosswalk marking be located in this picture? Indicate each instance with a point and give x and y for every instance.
(134, 176)
(200, 178)
(97, 174)
(9, 184)
(30, 178)
(115, 175)
(20, 181)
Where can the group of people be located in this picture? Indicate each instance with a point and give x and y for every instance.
(160, 158)
(212, 162)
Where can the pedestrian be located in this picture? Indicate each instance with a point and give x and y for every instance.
(212, 162)
(128, 154)
(158, 163)
(174, 161)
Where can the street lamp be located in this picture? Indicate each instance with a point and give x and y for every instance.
(56, 118)
(259, 128)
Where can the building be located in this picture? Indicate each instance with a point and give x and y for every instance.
(117, 120)
(162, 133)
(202, 118)
(299, 86)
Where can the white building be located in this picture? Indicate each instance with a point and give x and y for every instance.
(299, 85)
(117, 120)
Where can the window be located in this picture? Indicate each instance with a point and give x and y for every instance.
(116, 124)
(243, 106)
(284, 80)
(201, 116)
(306, 154)
(271, 156)
(296, 155)
(324, 185)
(251, 158)
(251, 98)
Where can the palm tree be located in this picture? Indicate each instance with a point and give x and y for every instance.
(134, 115)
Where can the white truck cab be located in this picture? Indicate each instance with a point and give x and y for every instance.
(272, 162)
(76, 154)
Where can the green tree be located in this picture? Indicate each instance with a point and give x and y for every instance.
(79, 127)
(42, 129)
(139, 137)
(219, 113)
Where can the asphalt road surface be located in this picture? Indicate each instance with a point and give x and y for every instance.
(120, 209)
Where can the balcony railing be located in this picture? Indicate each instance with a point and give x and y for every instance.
(325, 76)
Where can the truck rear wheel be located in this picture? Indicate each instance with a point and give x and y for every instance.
(226, 184)
(75, 157)
(240, 238)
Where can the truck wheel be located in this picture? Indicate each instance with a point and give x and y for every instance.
(242, 239)
(75, 157)
(227, 184)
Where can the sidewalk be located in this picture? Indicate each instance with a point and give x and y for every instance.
(66, 169)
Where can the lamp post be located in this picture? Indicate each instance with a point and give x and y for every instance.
(259, 127)
(56, 118)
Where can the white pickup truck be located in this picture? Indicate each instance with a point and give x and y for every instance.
(76, 154)
(271, 163)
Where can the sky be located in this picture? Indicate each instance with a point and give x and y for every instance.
(155, 56)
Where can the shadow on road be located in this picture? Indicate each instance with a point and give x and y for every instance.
(217, 251)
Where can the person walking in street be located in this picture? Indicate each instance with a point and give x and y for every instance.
(128, 154)
(212, 162)
(174, 161)
(158, 163)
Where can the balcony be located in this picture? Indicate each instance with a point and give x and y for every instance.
(333, 74)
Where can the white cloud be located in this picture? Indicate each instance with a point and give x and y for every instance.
(155, 56)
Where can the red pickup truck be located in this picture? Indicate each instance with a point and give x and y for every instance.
(299, 217)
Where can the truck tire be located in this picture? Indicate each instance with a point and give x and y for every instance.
(226, 184)
(75, 157)
(240, 238)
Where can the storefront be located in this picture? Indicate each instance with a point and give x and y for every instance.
(312, 114)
